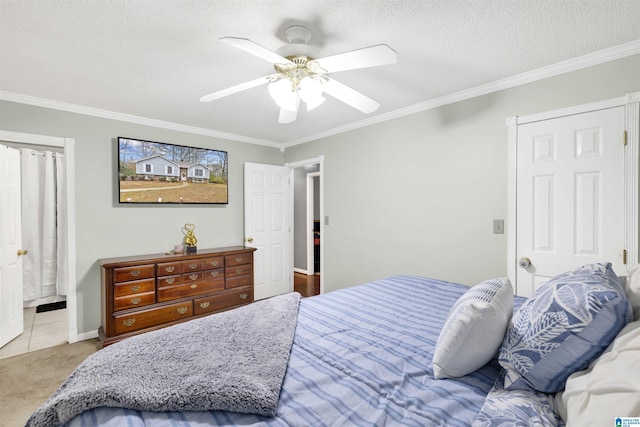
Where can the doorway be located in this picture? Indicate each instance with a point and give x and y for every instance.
(307, 235)
(65, 319)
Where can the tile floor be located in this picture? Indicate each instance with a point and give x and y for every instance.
(41, 330)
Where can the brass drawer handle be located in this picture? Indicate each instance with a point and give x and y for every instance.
(135, 273)
(244, 295)
(194, 286)
(135, 288)
(239, 259)
(129, 322)
(214, 263)
(170, 280)
(215, 273)
(193, 276)
(170, 269)
(239, 270)
(182, 310)
(135, 301)
(193, 266)
(204, 304)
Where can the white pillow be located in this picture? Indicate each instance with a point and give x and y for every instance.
(474, 329)
(632, 290)
(609, 388)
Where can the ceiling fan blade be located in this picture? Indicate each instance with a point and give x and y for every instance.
(288, 116)
(362, 58)
(349, 96)
(256, 50)
(234, 89)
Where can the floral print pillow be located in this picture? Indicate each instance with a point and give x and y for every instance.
(525, 408)
(565, 325)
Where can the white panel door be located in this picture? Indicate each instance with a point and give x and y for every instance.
(267, 227)
(570, 195)
(11, 320)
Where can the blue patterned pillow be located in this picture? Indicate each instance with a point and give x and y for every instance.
(526, 408)
(566, 324)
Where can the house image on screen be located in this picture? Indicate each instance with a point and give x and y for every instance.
(155, 167)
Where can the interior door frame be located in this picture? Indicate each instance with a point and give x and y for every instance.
(631, 102)
(302, 163)
(310, 209)
(68, 144)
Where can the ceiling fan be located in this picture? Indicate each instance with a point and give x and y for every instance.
(300, 76)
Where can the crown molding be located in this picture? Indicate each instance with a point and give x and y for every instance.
(591, 59)
(106, 114)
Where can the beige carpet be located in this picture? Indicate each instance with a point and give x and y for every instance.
(27, 380)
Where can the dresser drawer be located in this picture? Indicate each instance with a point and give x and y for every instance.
(134, 287)
(188, 289)
(193, 265)
(214, 278)
(169, 268)
(210, 263)
(125, 274)
(217, 273)
(235, 282)
(155, 316)
(238, 270)
(169, 280)
(244, 258)
(222, 301)
(135, 300)
(192, 277)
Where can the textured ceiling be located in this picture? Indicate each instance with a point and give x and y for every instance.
(154, 58)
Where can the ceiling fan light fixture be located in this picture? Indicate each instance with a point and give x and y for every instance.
(311, 92)
(300, 75)
(310, 88)
(282, 92)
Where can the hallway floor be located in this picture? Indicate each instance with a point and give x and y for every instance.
(41, 330)
(307, 286)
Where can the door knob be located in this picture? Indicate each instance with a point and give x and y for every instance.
(524, 262)
(22, 252)
(249, 239)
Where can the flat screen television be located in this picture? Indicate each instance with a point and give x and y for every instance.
(160, 173)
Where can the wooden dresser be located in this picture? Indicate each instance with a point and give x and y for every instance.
(147, 292)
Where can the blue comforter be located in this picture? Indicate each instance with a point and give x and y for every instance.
(361, 356)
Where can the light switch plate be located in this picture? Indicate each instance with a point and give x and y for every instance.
(498, 226)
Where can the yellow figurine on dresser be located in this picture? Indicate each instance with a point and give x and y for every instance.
(190, 238)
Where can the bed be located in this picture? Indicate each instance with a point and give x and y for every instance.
(364, 356)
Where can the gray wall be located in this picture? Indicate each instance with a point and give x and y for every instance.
(417, 195)
(103, 228)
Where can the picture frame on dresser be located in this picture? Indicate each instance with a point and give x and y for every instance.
(148, 292)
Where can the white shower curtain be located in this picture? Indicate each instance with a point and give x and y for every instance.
(39, 225)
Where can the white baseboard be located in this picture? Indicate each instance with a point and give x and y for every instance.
(88, 335)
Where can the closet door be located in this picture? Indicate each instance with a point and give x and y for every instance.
(11, 319)
(570, 198)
